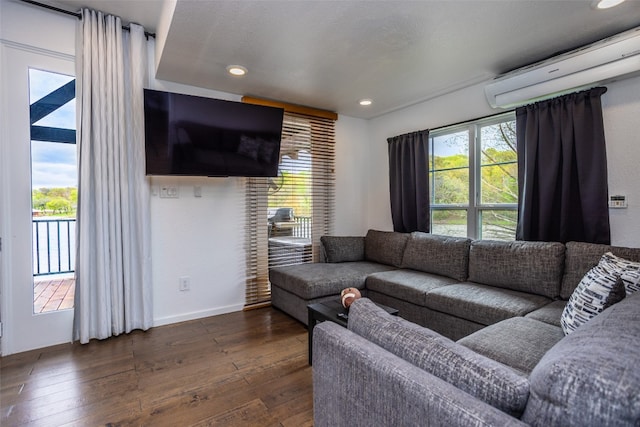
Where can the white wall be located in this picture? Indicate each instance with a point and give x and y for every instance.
(621, 110)
(37, 27)
(353, 143)
(202, 238)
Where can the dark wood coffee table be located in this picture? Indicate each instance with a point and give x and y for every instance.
(332, 311)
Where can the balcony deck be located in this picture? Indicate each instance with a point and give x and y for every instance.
(53, 293)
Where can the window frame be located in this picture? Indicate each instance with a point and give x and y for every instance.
(474, 207)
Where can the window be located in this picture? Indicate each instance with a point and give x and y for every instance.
(54, 188)
(287, 214)
(473, 178)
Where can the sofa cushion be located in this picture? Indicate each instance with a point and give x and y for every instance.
(517, 342)
(592, 376)
(534, 267)
(581, 257)
(473, 373)
(444, 255)
(481, 303)
(406, 285)
(343, 248)
(600, 288)
(550, 313)
(385, 247)
(315, 280)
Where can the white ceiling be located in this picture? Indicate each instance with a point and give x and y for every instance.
(330, 54)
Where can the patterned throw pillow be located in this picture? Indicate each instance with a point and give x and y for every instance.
(630, 272)
(631, 279)
(600, 288)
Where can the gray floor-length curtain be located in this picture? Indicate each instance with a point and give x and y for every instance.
(562, 170)
(113, 263)
(409, 181)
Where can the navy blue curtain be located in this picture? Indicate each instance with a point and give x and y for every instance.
(562, 170)
(409, 181)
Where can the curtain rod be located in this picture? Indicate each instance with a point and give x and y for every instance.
(474, 120)
(76, 14)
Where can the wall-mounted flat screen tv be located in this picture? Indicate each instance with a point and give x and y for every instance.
(196, 136)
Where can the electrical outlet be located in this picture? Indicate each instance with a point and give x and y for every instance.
(169, 193)
(184, 283)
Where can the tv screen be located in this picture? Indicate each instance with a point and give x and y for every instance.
(196, 136)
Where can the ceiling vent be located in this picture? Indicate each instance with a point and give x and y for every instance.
(582, 68)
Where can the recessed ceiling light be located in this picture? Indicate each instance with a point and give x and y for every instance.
(606, 4)
(236, 70)
(365, 102)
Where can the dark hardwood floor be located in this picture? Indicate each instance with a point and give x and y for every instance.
(245, 369)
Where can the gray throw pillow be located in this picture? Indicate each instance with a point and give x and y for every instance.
(532, 267)
(385, 247)
(343, 248)
(444, 255)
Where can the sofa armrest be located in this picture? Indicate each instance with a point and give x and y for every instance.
(357, 383)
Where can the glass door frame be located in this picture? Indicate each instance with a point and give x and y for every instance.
(22, 329)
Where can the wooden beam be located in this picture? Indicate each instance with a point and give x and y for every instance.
(292, 108)
(52, 101)
(50, 134)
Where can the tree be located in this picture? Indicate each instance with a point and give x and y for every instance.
(39, 199)
(57, 200)
(59, 205)
(498, 178)
(294, 192)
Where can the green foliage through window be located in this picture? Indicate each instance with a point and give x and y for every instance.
(55, 201)
(474, 169)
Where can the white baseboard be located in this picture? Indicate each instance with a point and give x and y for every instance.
(168, 320)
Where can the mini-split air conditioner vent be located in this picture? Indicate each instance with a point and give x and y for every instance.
(589, 66)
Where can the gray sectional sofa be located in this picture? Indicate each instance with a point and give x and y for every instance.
(478, 340)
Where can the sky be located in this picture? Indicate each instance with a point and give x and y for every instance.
(52, 164)
(450, 144)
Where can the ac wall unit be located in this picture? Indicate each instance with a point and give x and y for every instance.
(582, 68)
